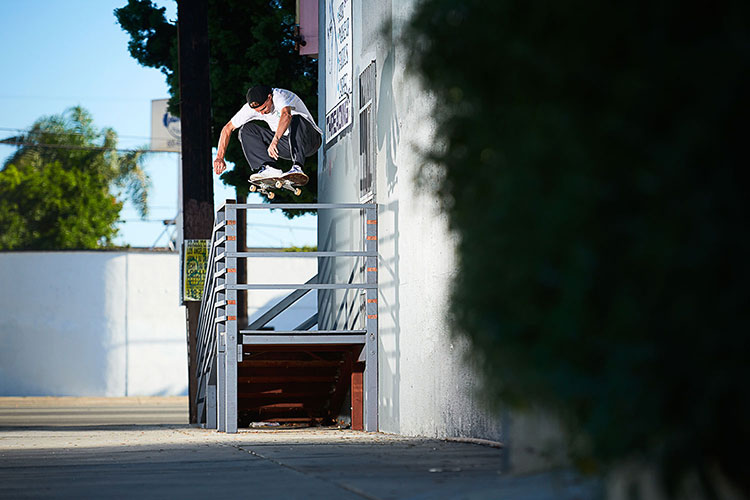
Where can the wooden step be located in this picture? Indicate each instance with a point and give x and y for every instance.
(289, 363)
(281, 379)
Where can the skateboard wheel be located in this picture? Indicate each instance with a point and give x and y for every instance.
(253, 188)
(278, 184)
(297, 191)
(271, 196)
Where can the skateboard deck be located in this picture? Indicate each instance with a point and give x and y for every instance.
(265, 186)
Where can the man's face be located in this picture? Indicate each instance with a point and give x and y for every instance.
(266, 107)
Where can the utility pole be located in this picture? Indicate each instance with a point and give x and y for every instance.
(197, 172)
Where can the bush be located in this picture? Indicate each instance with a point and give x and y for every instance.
(603, 256)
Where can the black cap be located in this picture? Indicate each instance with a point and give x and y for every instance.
(257, 95)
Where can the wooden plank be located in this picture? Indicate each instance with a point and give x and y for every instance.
(271, 388)
(283, 379)
(302, 348)
(298, 396)
(282, 371)
(292, 363)
(358, 397)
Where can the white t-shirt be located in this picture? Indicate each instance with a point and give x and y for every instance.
(281, 99)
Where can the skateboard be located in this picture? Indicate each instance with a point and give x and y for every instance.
(264, 186)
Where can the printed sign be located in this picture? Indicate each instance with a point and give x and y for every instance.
(165, 128)
(338, 66)
(338, 119)
(194, 269)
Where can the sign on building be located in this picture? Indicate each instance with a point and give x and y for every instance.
(194, 265)
(338, 67)
(165, 128)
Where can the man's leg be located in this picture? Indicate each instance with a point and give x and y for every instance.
(304, 140)
(255, 140)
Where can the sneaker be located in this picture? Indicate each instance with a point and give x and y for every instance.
(296, 176)
(266, 172)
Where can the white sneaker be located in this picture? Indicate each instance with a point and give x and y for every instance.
(266, 173)
(296, 176)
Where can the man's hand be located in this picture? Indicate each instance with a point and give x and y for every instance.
(226, 132)
(273, 150)
(219, 165)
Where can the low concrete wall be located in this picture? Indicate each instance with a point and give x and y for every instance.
(109, 323)
(91, 324)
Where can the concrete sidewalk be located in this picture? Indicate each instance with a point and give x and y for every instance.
(143, 448)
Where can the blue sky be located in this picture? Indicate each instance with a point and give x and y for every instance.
(58, 54)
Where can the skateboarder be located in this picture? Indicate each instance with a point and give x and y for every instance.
(293, 135)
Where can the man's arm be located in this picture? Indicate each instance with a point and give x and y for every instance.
(284, 121)
(226, 133)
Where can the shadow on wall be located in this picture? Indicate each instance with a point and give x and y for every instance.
(389, 304)
(389, 134)
(388, 128)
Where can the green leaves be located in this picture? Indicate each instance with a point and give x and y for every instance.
(603, 260)
(251, 42)
(55, 191)
(49, 207)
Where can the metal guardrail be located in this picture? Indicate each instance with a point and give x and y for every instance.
(220, 339)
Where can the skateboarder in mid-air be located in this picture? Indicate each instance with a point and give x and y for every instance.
(293, 135)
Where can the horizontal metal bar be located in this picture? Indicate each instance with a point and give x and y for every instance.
(302, 206)
(300, 254)
(304, 333)
(302, 339)
(300, 286)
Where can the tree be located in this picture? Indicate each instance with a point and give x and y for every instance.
(60, 189)
(251, 42)
(603, 256)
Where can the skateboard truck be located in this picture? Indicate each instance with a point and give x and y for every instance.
(264, 187)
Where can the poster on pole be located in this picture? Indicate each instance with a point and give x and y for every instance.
(194, 265)
(165, 128)
(338, 67)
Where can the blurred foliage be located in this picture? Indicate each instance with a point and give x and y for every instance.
(56, 190)
(593, 164)
(250, 42)
(305, 248)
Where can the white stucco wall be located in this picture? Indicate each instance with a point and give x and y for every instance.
(91, 324)
(426, 386)
(110, 323)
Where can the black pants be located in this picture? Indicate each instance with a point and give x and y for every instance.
(302, 141)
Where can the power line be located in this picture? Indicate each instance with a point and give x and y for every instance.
(29, 130)
(59, 98)
(82, 148)
(250, 225)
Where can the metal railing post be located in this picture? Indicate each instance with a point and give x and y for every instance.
(230, 373)
(221, 379)
(371, 345)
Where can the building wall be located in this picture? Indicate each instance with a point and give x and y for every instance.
(110, 323)
(426, 385)
(91, 324)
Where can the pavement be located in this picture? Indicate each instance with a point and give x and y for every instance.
(144, 448)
